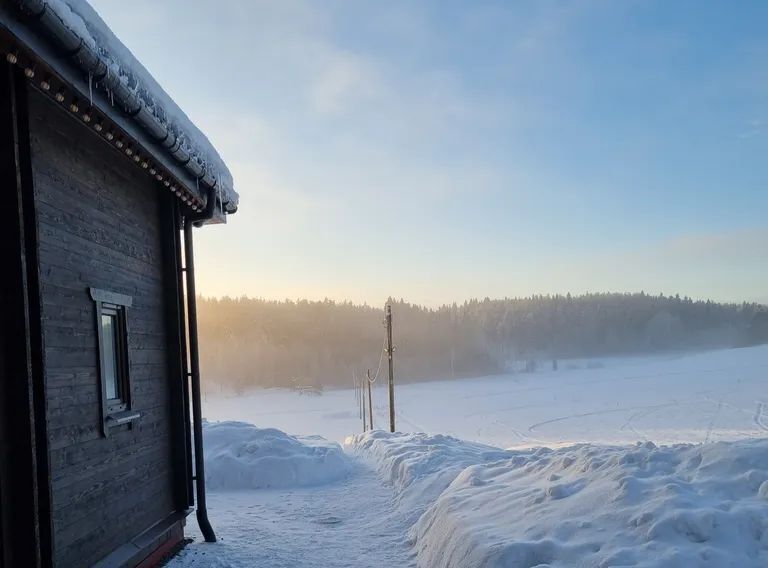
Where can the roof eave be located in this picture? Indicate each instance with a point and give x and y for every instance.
(190, 184)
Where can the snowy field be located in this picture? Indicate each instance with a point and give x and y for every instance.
(718, 395)
(654, 462)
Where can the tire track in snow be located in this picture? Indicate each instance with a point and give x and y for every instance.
(758, 417)
(629, 423)
(711, 425)
(533, 427)
(748, 411)
(505, 428)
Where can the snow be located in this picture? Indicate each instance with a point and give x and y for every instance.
(695, 397)
(242, 456)
(586, 505)
(344, 524)
(638, 498)
(420, 466)
(83, 20)
(72, 20)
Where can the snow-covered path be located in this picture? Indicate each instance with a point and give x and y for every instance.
(349, 523)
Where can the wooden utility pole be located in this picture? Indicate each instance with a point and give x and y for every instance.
(354, 387)
(362, 405)
(390, 350)
(370, 401)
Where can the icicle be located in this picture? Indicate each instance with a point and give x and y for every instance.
(109, 91)
(90, 87)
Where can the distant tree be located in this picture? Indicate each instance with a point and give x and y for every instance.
(249, 342)
(758, 329)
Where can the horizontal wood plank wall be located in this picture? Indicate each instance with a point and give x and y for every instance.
(99, 226)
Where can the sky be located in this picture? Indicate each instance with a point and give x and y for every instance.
(443, 150)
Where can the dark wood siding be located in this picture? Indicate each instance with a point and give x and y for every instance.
(99, 226)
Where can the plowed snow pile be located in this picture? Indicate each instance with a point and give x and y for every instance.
(241, 456)
(643, 506)
(420, 466)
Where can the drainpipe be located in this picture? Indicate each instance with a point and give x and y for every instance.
(194, 363)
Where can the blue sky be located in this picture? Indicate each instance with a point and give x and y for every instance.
(444, 150)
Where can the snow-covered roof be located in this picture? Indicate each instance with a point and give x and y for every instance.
(110, 65)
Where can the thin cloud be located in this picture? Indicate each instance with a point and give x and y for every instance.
(344, 79)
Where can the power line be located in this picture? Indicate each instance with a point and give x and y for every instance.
(381, 358)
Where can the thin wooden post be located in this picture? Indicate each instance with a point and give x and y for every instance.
(362, 405)
(357, 392)
(370, 401)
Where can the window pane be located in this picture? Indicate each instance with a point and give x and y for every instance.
(109, 353)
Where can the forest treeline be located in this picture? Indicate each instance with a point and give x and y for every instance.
(247, 342)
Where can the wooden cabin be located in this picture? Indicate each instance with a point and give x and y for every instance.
(102, 179)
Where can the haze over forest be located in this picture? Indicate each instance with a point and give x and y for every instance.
(247, 342)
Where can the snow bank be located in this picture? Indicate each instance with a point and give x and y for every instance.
(420, 466)
(642, 506)
(241, 456)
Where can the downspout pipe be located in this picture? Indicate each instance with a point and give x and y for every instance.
(194, 365)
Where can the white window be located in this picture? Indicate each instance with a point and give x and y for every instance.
(114, 362)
